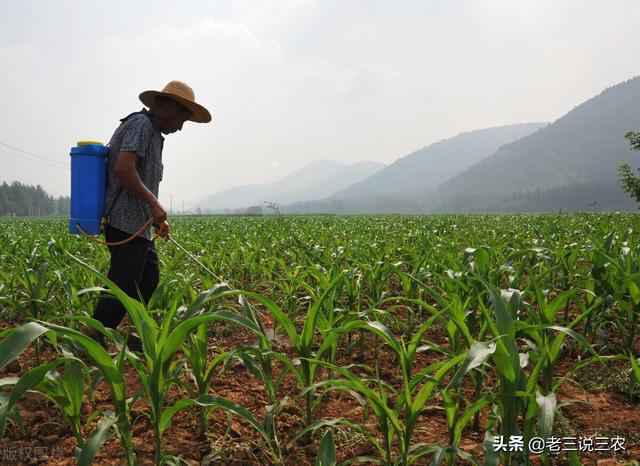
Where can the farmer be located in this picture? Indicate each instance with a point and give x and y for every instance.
(134, 175)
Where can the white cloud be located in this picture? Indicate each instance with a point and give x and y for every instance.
(289, 81)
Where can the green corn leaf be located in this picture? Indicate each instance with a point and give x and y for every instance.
(387, 336)
(323, 423)
(418, 450)
(635, 368)
(169, 412)
(467, 415)
(17, 340)
(203, 298)
(8, 381)
(309, 324)
(634, 291)
(74, 377)
(96, 352)
(103, 431)
(92, 289)
(574, 459)
(546, 413)
(27, 382)
(506, 353)
(234, 408)
(327, 451)
(159, 292)
(438, 456)
(426, 391)
(558, 303)
(530, 415)
(13, 413)
(250, 314)
(416, 340)
(278, 314)
(478, 354)
(353, 383)
(176, 338)
(456, 313)
(491, 455)
(450, 407)
(142, 320)
(460, 453)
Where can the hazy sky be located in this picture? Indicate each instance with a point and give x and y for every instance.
(290, 81)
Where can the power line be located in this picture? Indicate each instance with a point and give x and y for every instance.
(43, 162)
(41, 157)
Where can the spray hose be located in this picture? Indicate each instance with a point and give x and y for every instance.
(116, 243)
(137, 233)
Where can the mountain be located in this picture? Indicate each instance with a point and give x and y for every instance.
(346, 176)
(317, 180)
(430, 166)
(572, 163)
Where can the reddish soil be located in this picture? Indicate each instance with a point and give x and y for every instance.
(47, 440)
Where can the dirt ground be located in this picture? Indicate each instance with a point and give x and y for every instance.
(597, 407)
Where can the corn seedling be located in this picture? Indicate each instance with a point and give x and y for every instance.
(396, 419)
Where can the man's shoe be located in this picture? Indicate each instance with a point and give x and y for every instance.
(134, 343)
(97, 336)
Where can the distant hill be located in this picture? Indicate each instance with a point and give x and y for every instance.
(571, 164)
(318, 180)
(425, 169)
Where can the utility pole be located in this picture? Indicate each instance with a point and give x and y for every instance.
(171, 204)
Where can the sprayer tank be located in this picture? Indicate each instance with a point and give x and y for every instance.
(88, 179)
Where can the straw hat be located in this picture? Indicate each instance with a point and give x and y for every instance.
(183, 94)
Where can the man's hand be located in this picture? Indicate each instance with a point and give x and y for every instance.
(158, 212)
(163, 229)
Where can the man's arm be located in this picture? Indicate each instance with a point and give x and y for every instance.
(125, 170)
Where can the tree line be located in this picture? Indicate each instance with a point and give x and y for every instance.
(22, 200)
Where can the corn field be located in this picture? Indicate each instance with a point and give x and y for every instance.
(392, 340)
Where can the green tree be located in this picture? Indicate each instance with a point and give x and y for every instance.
(630, 182)
(26, 200)
(64, 205)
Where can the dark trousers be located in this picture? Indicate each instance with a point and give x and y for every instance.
(134, 268)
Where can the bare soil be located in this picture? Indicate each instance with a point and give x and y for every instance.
(593, 409)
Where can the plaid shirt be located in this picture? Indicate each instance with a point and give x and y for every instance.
(135, 134)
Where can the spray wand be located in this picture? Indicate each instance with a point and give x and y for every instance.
(191, 256)
(195, 259)
(137, 233)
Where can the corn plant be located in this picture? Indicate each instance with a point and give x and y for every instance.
(302, 342)
(67, 390)
(34, 283)
(112, 371)
(506, 357)
(619, 278)
(201, 371)
(261, 360)
(530, 292)
(521, 394)
(397, 413)
(157, 368)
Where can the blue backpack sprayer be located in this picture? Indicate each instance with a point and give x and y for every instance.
(88, 182)
(88, 185)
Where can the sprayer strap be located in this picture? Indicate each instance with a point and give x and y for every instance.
(113, 203)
